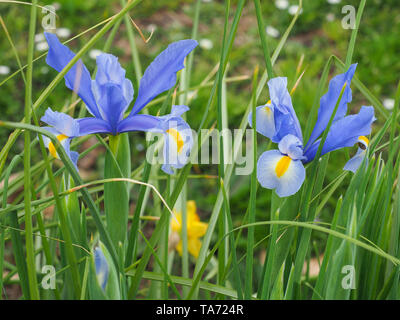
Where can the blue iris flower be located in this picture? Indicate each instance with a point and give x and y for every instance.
(101, 266)
(283, 169)
(109, 95)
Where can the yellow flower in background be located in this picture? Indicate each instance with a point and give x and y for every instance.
(195, 229)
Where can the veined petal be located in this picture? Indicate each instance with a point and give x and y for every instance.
(139, 122)
(112, 104)
(161, 73)
(102, 268)
(354, 163)
(92, 125)
(265, 123)
(110, 71)
(77, 78)
(280, 172)
(344, 132)
(329, 100)
(285, 118)
(62, 122)
(291, 146)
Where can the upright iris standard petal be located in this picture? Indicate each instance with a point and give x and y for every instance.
(329, 100)
(265, 123)
(161, 74)
(344, 132)
(291, 145)
(280, 172)
(77, 78)
(102, 268)
(285, 118)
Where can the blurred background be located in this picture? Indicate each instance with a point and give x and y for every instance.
(317, 35)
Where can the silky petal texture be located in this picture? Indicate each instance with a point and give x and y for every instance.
(102, 268)
(110, 71)
(354, 163)
(77, 78)
(92, 125)
(329, 100)
(292, 146)
(139, 122)
(112, 104)
(161, 73)
(286, 185)
(173, 155)
(265, 123)
(285, 118)
(62, 122)
(344, 132)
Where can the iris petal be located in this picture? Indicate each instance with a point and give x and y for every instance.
(139, 122)
(329, 100)
(93, 125)
(161, 73)
(62, 122)
(290, 179)
(344, 132)
(102, 268)
(77, 78)
(265, 123)
(292, 146)
(286, 121)
(354, 163)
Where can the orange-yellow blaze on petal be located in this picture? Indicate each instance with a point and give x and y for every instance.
(52, 148)
(365, 140)
(177, 138)
(282, 166)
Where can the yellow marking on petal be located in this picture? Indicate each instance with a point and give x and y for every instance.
(363, 142)
(282, 166)
(268, 110)
(52, 148)
(177, 138)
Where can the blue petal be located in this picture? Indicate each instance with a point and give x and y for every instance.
(354, 163)
(58, 57)
(178, 143)
(264, 120)
(292, 146)
(112, 104)
(102, 268)
(139, 122)
(161, 74)
(110, 71)
(329, 100)
(62, 122)
(93, 125)
(285, 185)
(286, 121)
(344, 132)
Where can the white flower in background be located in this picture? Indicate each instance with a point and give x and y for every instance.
(151, 27)
(63, 32)
(4, 70)
(94, 53)
(206, 44)
(271, 31)
(44, 70)
(334, 1)
(388, 103)
(282, 4)
(42, 46)
(139, 147)
(207, 1)
(39, 37)
(293, 9)
(330, 17)
(56, 5)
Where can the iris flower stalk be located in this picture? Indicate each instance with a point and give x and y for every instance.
(283, 169)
